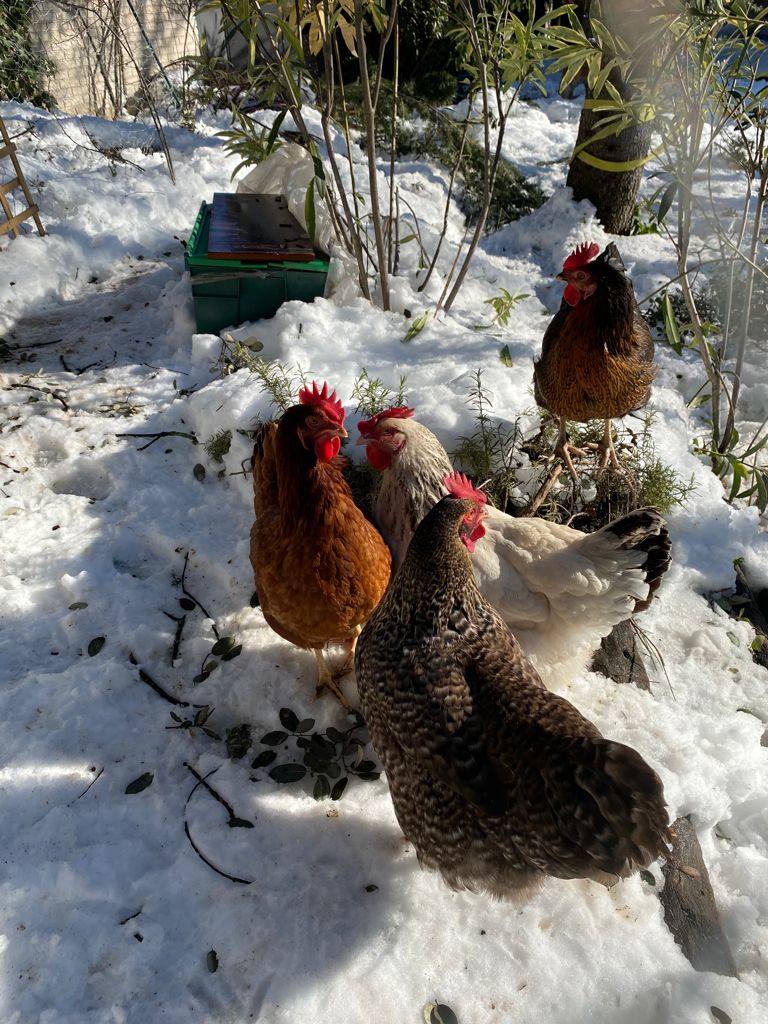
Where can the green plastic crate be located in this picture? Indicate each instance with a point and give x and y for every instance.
(226, 293)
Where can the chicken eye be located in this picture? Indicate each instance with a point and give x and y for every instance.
(313, 422)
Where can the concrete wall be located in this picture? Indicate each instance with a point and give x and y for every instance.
(99, 51)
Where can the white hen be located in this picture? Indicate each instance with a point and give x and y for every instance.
(559, 590)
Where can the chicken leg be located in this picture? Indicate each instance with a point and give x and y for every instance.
(327, 681)
(607, 451)
(564, 450)
(349, 646)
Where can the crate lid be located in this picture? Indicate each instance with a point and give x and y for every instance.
(197, 261)
(256, 228)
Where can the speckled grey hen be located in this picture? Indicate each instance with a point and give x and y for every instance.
(495, 780)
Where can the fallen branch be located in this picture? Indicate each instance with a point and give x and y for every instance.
(211, 865)
(541, 495)
(145, 677)
(77, 371)
(91, 783)
(43, 391)
(201, 780)
(217, 796)
(131, 916)
(179, 620)
(161, 433)
(37, 344)
(192, 597)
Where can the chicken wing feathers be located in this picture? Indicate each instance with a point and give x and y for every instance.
(264, 466)
(561, 591)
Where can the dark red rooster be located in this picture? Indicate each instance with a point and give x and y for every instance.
(495, 780)
(597, 355)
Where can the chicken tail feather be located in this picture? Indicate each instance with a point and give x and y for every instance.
(645, 530)
(630, 798)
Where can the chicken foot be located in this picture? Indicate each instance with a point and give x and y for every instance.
(564, 450)
(327, 681)
(608, 454)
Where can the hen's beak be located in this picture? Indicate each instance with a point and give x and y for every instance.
(561, 277)
(363, 440)
(334, 432)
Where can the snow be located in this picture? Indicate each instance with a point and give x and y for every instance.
(108, 912)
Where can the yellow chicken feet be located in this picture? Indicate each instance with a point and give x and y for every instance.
(326, 681)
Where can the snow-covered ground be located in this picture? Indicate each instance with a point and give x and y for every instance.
(108, 913)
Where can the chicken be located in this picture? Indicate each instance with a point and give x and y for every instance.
(597, 355)
(559, 590)
(320, 566)
(495, 780)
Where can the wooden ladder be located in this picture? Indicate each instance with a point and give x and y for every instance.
(12, 221)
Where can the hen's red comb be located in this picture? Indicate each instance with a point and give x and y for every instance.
(581, 255)
(397, 412)
(460, 486)
(325, 400)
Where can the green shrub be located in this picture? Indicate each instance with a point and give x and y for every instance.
(438, 138)
(22, 68)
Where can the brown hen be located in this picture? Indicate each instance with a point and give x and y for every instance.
(320, 566)
(597, 355)
(495, 780)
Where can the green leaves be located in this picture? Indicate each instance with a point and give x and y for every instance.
(671, 327)
(274, 739)
(329, 757)
(505, 356)
(338, 788)
(288, 719)
(203, 675)
(439, 1013)
(263, 759)
(250, 141)
(140, 784)
(285, 773)
(96, 645)
(667, 198)
(502, 305)
(227, 648)
(198, 721)
(417, 326)
(322, 788)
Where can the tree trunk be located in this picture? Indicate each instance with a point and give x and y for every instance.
(612, 193)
